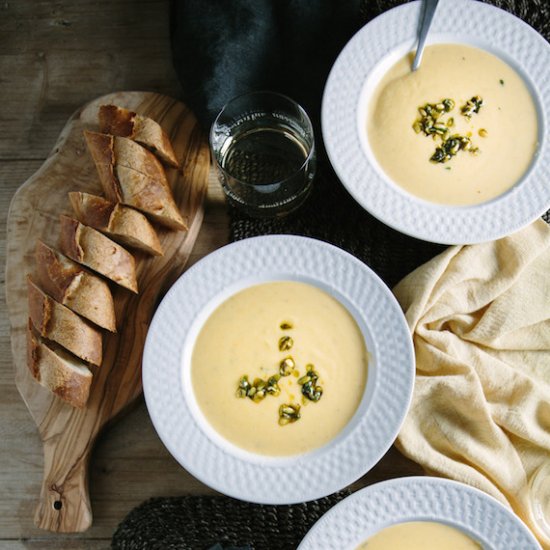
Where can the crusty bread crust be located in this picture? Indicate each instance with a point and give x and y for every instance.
(133, 185)
(132, 155)
(64, 375)
(150, 197)
(92, 210)
(122, 223)
(122, 122)
(75, 287)
(58, 323)
(96, 251)
(101, 147)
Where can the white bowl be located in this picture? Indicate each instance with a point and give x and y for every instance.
(234, 471)
(353, 79)
(361, 515)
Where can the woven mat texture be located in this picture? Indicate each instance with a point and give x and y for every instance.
(197, 523)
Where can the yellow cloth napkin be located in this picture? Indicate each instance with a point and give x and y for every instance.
(480, 414)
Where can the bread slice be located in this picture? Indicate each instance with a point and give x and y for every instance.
(122, 122)
(102, 149)
(96, 251)
(75, 287)
(55, 369)
(122, 223)
(148, 196)
(132, 155)
(133, 187)
(58, 323)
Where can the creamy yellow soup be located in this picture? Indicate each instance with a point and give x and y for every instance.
(420, 535)
(502, 134)
(242, 337)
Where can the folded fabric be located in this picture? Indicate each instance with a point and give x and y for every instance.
(480, 320)
(222, 49)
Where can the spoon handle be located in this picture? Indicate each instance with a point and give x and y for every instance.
(427, 16)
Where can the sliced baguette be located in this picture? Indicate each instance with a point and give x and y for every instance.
(58, 323)
(122, 223)
(96, 251)
(148, 196)
(133, 187)
(132, 155)
(102, 149)
(73, 286)
(55, 369)
(122, 122)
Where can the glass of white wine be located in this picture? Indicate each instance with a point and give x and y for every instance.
(263, 147)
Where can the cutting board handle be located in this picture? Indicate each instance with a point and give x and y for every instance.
(68, 434)
(64, 505)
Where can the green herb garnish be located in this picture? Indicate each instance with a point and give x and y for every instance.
(430, 113)
(286, 366)
(272, 386)
(285, 343)
(471, 106)
(310, 389)
(260, 389)
(289, 413)
(243, 387)
(450, 147)
(431, 123)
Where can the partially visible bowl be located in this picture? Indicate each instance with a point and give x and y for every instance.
(361, 515)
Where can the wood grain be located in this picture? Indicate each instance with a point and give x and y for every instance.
(57, 56)
(68, 433)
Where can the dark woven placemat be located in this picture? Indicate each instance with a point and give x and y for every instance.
(197, 523)
(330, 214)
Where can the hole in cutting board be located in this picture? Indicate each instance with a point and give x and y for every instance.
(57, 504)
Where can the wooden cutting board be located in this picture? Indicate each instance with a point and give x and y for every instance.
(68, 434)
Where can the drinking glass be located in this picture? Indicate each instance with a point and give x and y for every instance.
(263, 147)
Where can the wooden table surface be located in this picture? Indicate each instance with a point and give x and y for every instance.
(54, 57)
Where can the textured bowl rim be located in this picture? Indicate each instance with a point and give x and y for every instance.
(454, 503)
(340, 462)
(507, 37)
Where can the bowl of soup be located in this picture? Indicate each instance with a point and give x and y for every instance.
(278, 369)
(461, 130)
(419, 513)
(456, 151)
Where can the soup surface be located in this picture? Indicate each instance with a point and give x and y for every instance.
(499, 130)
(249, 335)
(420, 535)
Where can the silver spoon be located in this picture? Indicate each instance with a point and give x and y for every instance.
(427, 17)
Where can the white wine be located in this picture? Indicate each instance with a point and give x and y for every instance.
(264, 148)
(263, 155)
